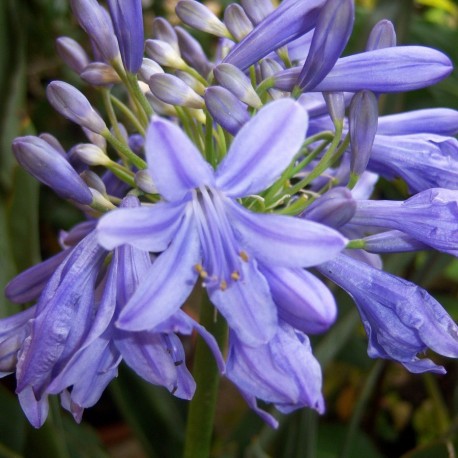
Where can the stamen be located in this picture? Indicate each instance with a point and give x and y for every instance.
(201, 271)
(223, 285)
(178, 363)
(235, 276)
(243, 254)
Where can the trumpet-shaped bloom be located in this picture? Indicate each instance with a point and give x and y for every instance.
(283, 372)
(430, 217)
(401, 319)
(69, 340)
(203, 231)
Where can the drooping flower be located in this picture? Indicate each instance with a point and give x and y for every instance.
(283, 372)
(67, 343)
(203, 231)
(401, 319)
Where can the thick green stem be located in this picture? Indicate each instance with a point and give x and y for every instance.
(202, 407)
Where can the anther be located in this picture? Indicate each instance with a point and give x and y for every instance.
(235, 275)
(178, 363)
(243, 254)
(223, 285)
(201, 271)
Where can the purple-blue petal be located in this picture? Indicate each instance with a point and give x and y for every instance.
(262, 149)
(287, 241)
(147, 228)
(172, 275)
(174, 161)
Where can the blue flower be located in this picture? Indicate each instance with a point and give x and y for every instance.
(203, 231)
(127, 20)
(400, 318)
(69, 340)
(283, 372)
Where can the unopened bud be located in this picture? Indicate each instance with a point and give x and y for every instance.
(334, 208)
(164, 54)
(148, 69)
(127, 20)
(198, 16)
(91, 154)
(72, 104)
(237, 21)
(163, 31)
(54, 142)
(191, 81)
(192, 52)
(363, 122)
(257, 10)
(94, 181)
(335, 101)
(226, 109)
(144, 182)
(96, 22)
(47, 165)
(100, 74)
(172, 90)
(72, 53)
(234, 80)
(100, 202)
(382, 36)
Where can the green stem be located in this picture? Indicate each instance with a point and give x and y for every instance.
(360, 406)
(111, 113)
(128, 114)
(442, 417)
(124, 151)
(202, 407)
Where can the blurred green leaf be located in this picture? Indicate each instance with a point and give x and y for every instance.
(443, 449)
(12, 423)
(152, 413)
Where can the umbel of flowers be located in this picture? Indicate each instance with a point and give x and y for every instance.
(233, 175)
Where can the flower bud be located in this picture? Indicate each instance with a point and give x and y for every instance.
(72, 53)
(96, 22)
(144, 181)
(100, 202)
(172, 90)
(94, 181)
(192, 52)
(226, 109)
(160, 107)
(269, 67)
(335, 101)
(148, 69)
(333, 29)
(72, 104)
(191, 81)
(51, 140)
(257, 10)
(127, 20)
(136, 143)
(238, 83)
(91, 154)
(100, 74)
(198, 16)
(363, 121)
(164, 54)
(334, 208)
(382, 36)
(237, 21)
(95, 138)
(47, 165)
(163, 31)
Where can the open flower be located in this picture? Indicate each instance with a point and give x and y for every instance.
(202, 230)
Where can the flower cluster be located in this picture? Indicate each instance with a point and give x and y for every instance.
(232, 175)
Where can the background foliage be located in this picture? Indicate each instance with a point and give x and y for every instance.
(374, 408)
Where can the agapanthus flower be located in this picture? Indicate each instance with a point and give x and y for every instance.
(202, 230)
(400, 318)
(68, 339)
(283, 372)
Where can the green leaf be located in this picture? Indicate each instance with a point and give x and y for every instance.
(12, 424)
(153, 414)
